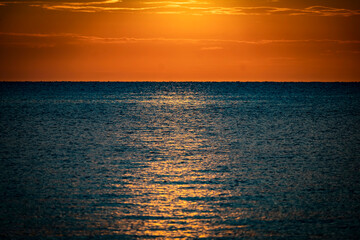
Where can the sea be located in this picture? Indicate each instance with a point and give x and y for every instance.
(150, 160)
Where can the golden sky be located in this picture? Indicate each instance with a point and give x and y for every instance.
(195, 40)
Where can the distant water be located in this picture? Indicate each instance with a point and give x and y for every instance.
(180, 160)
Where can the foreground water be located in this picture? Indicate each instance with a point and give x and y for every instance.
(181, 160)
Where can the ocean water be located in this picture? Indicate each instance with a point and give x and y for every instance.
(180, 160)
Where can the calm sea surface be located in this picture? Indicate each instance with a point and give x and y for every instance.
(180, 160)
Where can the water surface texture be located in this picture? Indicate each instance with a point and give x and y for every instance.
(180, 160)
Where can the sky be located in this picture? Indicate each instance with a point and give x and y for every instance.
(184, 40)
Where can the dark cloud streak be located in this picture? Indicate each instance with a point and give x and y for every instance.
(194, 7)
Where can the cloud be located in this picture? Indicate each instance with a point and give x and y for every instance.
(163, 7)
(176, 3)
(70, 2)
(84, 6)
(212, 48)
(314, 10)
(52, 40)
(326, 11)
(95, 6)
(194, 7)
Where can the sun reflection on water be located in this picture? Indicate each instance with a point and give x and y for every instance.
(178, 193)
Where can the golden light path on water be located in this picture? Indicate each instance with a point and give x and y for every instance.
(177, 194)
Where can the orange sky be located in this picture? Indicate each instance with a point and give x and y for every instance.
(205, 40)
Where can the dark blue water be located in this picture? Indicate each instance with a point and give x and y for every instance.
(180, 160)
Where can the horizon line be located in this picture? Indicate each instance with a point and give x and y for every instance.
(172, 81)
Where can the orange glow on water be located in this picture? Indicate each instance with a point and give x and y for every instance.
(176, 193)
